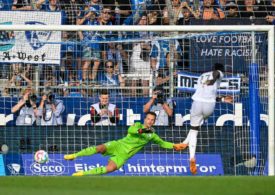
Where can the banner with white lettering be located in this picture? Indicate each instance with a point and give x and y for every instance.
(187, 82)
(39, 47)
(234, 50)
(139, 164)
(131, 110)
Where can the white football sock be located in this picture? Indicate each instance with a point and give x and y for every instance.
(187, 139)
(192, 143)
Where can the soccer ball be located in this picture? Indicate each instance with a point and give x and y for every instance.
(41, 156)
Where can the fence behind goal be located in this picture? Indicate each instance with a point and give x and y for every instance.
(75, 64)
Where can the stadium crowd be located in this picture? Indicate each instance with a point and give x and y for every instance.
(89, 62)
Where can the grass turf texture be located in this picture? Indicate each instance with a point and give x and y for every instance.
(232, 185)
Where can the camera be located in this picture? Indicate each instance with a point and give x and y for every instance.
(51, 98)
(32, 97)
(160, 98)
(159, 91)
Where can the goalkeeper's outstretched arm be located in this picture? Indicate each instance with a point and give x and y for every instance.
(225, 99)
(168, 145)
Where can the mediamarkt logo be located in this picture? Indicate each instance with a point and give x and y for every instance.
(50, 168)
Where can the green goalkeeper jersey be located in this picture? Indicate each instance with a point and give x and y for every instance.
(134, 141)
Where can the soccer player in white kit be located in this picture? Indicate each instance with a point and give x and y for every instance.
(203, 105)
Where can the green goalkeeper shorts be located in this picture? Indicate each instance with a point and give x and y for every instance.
(117, 153)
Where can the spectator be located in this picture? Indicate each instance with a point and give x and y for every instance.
(163, 76)
(103, 112)
(72, 10)
(138, 8)
(113, 53)
(50, 81)
(22, 5)
(232, 10)
(50, 110)
(121, 8)
(154, 17)
(140, 67)
(251, 10)
(95, 5)
(50, 5)
(270, 18)
(160, 52)
(19, 76)
(177, 13)
(90, 5)
(48, 77)
(68, 68)
(210, 11)
(187, 13)
(108, 78)
(91, 50)
(26, 108)
(164, 108)
(6, 92)
(223, 3)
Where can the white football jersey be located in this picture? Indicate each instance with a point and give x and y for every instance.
(207, 93)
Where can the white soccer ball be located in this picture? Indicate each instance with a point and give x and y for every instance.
(41, 156)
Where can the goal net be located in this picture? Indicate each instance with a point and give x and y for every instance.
(52, 79)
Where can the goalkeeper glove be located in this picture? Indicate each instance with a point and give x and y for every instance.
(180, 146)
(146, 130)
(226, 99)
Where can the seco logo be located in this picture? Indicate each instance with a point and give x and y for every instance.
(50, 168)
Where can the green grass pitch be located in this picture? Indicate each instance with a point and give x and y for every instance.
(105, 185)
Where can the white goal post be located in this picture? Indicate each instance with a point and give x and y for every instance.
(254, 28)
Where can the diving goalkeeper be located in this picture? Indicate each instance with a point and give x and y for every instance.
(121, 150)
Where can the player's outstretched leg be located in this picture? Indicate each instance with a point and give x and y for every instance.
(193, 167)
(85, 152)
(95, 171)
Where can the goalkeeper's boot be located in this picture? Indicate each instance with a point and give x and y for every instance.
(69, 156)
(193, 167)
(80, 173)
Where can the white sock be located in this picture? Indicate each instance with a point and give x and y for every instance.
(192, 143)
(187, 139)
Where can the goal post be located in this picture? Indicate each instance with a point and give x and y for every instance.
(196, 29)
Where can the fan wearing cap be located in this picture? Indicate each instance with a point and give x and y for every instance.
(232, 10)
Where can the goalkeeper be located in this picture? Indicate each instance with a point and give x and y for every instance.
(121, 150)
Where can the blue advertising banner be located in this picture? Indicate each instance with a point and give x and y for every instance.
(2, 166)
(226, 48)
(138, 165)
(13, 164)
(77, 111)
